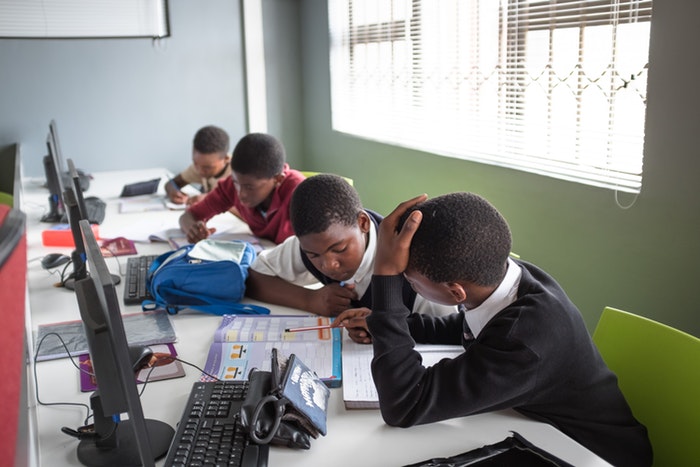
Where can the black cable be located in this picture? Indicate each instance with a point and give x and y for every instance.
(83, 431)
(36, 381)
(174, 358)
(109, 254)
(64, 278)
(214, 377)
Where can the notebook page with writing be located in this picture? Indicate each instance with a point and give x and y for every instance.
(359, 391)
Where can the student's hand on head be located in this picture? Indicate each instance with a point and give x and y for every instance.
(331, 299)
(354, 321)
(199, 231)
(393, 247)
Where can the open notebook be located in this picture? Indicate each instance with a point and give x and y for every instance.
(359, 391)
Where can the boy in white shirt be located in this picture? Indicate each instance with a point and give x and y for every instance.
(334, 247)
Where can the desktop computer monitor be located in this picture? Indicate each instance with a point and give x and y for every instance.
(57, 177)
(93, 212)
(137, 440)
(75, 184)
(78, 255)
(59, 159)
(11, 176)
(54, 183)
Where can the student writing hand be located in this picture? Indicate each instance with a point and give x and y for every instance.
(331, 299)
(354, 321)
(392, 245)
(199, 231)
(178, 197)
(174, 194)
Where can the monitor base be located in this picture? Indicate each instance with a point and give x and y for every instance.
(126, 453)
(70, 282)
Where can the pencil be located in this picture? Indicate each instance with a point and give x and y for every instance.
(308, 328)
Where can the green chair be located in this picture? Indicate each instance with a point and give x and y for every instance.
(6, 198)
(658, 370)
(311, 174)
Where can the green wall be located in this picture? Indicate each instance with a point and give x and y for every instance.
(643, 259)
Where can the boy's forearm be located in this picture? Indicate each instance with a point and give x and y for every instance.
(186, 221)
(277, 291)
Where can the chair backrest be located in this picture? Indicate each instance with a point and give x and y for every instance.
(308, 174)
(658, 370)
(6, 199)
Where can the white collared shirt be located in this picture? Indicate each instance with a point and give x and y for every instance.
(504, 295)
(284, 261)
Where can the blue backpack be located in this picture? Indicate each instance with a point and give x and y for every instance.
(208, 276)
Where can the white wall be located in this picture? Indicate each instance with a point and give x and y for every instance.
(126, 102)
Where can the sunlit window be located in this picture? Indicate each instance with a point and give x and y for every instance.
(555, 87)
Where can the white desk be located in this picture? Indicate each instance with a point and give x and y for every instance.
(357, 437)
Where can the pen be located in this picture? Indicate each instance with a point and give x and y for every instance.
(309, 328)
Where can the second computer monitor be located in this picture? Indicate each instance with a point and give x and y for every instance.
(116, 441)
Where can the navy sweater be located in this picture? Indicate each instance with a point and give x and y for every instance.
(535, 356)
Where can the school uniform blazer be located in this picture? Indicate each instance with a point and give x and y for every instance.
(275, 226)
(535, 356)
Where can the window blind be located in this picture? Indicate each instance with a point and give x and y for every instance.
(555, 87)
(83, 18)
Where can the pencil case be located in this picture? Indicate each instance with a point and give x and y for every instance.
(61, 235)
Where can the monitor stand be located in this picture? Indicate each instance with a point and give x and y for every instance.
(69, 283)
(53, 215)
(115, 443)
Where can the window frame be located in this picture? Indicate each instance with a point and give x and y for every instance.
(542, 15)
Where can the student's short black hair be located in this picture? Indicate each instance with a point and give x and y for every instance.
(461, 237)
(258, 154)
(211, 139)
(322, 200)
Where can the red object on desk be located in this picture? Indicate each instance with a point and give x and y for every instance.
(119, 246)
(13, 273)
(60, 235)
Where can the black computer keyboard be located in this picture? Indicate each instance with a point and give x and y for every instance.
(135, 290)
(210, 433)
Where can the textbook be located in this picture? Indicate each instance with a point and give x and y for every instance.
(167, 369)
(359, 391)
(244, 342)
(143, 203)
(176, 238)
(142, 328)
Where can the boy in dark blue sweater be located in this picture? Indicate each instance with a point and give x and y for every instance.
(526, 345)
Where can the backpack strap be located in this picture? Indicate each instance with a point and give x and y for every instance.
(212, 306)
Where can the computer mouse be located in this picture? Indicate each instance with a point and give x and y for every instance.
(140, 356)
(54, 260)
